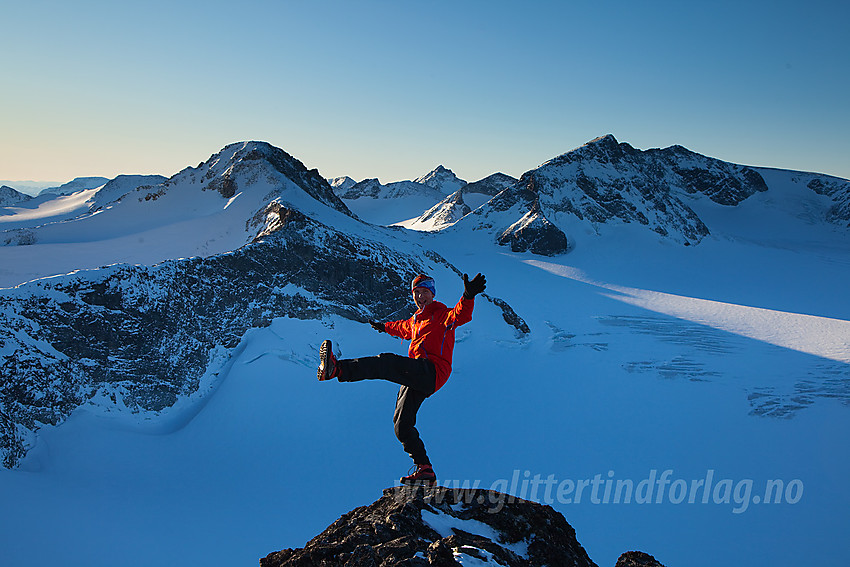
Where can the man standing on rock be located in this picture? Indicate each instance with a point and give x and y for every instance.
(431, 332)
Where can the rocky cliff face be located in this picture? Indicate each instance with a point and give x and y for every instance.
(836, 189)
(447, 527)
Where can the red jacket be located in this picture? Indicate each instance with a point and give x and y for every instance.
(431, 332)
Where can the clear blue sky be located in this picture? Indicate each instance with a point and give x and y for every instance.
(391, 89)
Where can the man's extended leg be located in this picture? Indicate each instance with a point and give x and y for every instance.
(416, 373)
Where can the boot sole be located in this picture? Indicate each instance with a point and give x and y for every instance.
(324, 359)
(426, 483)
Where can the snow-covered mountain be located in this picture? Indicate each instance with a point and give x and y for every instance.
(200, 211)
(342, 184)
(443, 214)
(837, 191)
(158, 379)
(442, 179)
(10, 197)
(29, 187)
(116, 188)
(460, 203)
(75, 185)
(388, 204)
(607, 184)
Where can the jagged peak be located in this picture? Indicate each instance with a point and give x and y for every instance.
(220, 171)
(438, 170)
(252, 150)
(607, 139)
(442, 179)
(341, 183)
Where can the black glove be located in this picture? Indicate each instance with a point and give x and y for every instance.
(474, 287)
(378, 327)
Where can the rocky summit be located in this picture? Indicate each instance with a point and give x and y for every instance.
(441, 526)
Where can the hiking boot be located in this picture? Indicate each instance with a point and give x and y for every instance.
(420, 475)
(327, 362)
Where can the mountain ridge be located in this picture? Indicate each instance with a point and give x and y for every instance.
(605, 182)
(142, 337)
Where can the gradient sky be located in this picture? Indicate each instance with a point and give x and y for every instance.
(390, 89)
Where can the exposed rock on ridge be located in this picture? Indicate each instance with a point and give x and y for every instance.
(838, 190)
(637, 559)
(442, 527)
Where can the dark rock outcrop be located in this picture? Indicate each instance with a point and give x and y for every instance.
(438, 527)
(839, 191)
(637, 559)
(534, 233)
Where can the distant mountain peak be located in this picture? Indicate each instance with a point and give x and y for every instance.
(76, 184)
(442, 179)
(607, 139)
(223, 169)
(342, 184)
(10, 196)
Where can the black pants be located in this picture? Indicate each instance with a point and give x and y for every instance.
(417, 378)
